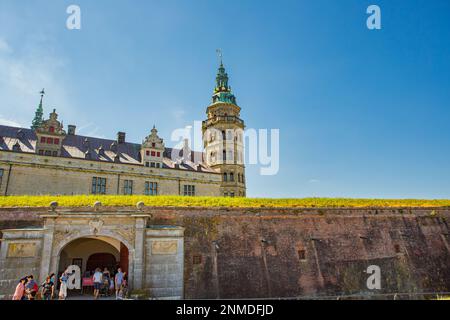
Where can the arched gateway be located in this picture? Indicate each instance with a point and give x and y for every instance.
(152, 255)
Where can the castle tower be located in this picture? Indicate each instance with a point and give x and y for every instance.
(223, 133)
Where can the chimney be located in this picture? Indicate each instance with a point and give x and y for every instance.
(71, 130)
(120, 137)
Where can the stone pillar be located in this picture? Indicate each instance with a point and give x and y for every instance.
(139, 252)
(47, 249)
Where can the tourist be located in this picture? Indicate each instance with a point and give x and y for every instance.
(63, 288)
(97, 277)
(111, 286)
(20, 290)
(31, 288)
(48, 289)
(106, 280)
(118, 280)
(123, 292)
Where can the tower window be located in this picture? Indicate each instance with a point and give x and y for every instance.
(197, 259)
(189, 190)
(151, 188)
(301, 254)
(98, 185)
(128, 187)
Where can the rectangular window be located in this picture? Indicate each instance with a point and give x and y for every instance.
(98, 185)
(48, 153)
(41, 152)
(158, 165)
(152, 165)
(153, 153)
(56, 141)
(128, 187)
(147, 153)
(189, 190)
(158, 154)
(50, 140)
(302, 254)
(43, 140)
(147, 164)
(232, 194)
(55, 153)
(1, 176)
(151, 188)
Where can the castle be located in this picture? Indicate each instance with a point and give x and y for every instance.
(47, 159)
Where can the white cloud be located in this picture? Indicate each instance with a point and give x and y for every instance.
(9, 122)
(314, 181)
(4, 47)
(24, 71)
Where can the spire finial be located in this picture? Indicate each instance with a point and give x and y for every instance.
(38, 116)
(220, 56)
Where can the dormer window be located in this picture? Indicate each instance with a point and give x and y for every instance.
(153, 145)
(51, 129)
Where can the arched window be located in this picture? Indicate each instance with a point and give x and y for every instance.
(224, 155)
(225, 177)
(232, 176)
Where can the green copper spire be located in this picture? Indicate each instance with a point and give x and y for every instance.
(222, 91)
(38, 116)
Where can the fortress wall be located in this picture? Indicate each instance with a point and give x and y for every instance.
(263, 253)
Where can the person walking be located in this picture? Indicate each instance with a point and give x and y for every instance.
(97, 278)
(19, 294)
(31, 288)
(48, 289)
(118, 279)
(63, 287)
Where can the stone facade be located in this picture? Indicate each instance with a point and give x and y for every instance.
(34, 175)
(268, 252)
(155, 261)
(49, 160)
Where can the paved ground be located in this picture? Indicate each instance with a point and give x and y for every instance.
(89, 297)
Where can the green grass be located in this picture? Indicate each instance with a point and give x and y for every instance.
(177, 201)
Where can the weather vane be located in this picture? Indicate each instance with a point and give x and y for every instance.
(219, 54)
(42, 92)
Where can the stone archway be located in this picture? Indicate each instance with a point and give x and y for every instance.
(102, 236)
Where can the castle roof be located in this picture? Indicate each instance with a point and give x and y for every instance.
(75, 146)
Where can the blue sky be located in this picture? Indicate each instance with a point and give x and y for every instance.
(361, 113)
